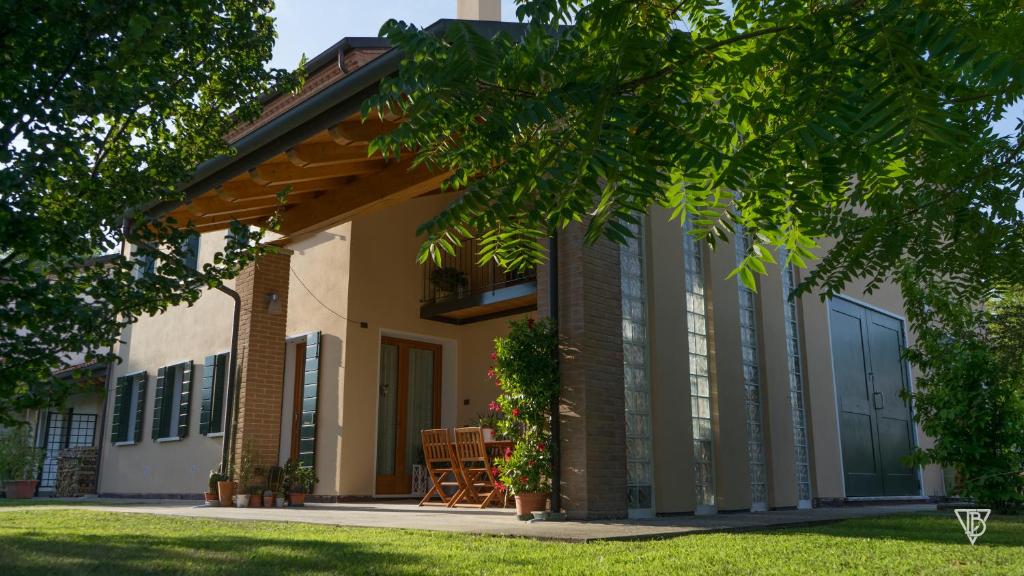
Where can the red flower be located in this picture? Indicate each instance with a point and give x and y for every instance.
(497, 383)
(494, 355)
(494, 406)
(515, 411)
(508, 453)
(499, 486)
(533, 462)
(529, 322)
(491, 373)
(524, 480)
(540, 446)
(494, 471)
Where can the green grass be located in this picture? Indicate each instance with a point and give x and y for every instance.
(55, 541)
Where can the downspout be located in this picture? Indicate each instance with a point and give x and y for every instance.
(229, 416)
(556, 435)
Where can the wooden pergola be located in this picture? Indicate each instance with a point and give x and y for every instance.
(327, 179)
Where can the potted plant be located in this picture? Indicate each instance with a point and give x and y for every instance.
(246, 476)
(489, 421)
(448, 280)
(226, 486)
(274, 494)
(526, 473)
(211, 496)
(255, 496)
(526, 371)
(300, 481)
(19, 463)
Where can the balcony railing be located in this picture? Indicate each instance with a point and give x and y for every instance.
(459, 290)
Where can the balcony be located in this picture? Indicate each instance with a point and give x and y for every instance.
(458, 291)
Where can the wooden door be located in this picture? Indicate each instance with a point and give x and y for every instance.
(409, 400)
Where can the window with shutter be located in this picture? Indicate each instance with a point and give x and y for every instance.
(211, 415)
(139, 402)
(310, 392)
(171, 401)
(144, 263)
(122, 405)
(184, 398)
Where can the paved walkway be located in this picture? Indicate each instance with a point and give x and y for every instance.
(494, 521)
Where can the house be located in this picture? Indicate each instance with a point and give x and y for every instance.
(684, 393)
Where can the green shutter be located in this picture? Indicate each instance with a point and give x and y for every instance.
(310, 389)
(158, 402)
(119, 425)
(206, 408)
(211, 416)
(140, 404)
(184, 398)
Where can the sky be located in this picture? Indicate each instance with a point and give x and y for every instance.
(312, 26)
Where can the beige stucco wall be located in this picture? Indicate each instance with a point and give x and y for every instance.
(181, 333)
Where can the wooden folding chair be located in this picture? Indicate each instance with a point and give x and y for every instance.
(442, 467)
(479, 485)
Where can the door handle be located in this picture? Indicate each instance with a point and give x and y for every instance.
(879, 401)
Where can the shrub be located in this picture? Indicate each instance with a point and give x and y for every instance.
(19, 460)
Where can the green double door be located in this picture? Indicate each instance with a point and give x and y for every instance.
(875, 424)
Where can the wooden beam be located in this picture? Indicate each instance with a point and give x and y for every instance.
(274, 174)
(351, 131)
(394, 185)
(240, 190)
(226, 224)
(324, 153)
(211, 205)
(224, 221)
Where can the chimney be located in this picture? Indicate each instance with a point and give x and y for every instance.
(479, 10)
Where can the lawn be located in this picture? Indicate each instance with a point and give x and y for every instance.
(54, 541)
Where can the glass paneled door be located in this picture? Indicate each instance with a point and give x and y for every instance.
(409, 401)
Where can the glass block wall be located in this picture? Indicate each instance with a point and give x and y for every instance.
(635, 374)
(700, 375)
(751, 383)
(796, 385)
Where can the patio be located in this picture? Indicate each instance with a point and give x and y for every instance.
(406, 514)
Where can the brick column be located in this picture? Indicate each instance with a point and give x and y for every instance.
(593, 413)
(261, 352)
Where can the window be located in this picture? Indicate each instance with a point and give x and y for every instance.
(144, 263)
(215, 376)
(190, 249)
(700, 372)
(796, 384)
(171, 401)
(639, 477)
(751, 382)
(129, 404)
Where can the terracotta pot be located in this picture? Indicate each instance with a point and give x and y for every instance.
(225, 492)
(296, 498)
(530, 502)
(268, 501)
(210, 497)
(488, 434)
(20, 489)
(255, 501)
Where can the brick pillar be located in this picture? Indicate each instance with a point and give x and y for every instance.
(593, 412)
(261, 350)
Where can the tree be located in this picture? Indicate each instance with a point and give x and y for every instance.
(970, 394)
(865, 120)
(106, 107)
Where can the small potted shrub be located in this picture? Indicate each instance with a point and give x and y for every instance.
(526, 472)
(19, 463)
(300, 481)
(448, 280)
(255, 496)
(211, 496)
(226, 487)
(274, 494)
